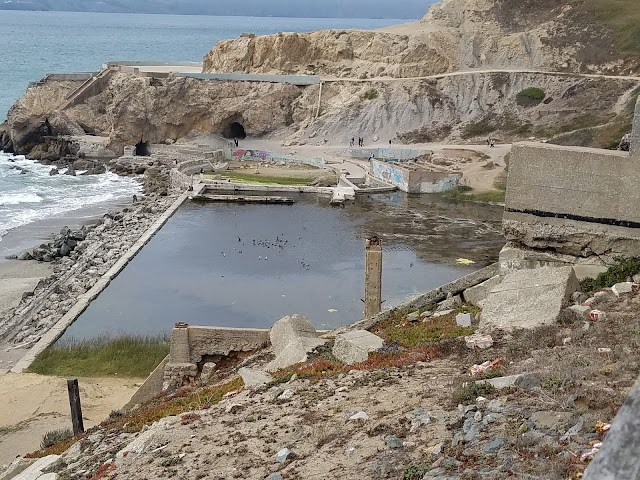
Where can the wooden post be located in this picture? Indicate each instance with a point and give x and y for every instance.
(76, 408)
(373, 277)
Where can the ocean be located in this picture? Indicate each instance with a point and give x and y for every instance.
(37, 43)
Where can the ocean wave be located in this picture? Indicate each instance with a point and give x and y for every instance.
(18, 198)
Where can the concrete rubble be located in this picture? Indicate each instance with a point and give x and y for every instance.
(292, 338)
(529, 298)
(354, 347)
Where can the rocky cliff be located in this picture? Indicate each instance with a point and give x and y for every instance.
(455, 35)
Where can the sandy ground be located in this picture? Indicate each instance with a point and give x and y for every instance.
(480, 179)
(31, 405)
(17, 277)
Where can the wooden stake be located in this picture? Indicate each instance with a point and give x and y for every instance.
(76, 408)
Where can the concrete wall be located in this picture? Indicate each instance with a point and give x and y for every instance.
(414, 180)
(597, 185)
(635, 134)
(575, 201)
(300, 80)
(384, 153)
(192, 345)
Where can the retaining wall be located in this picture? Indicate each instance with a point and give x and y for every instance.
(384, 153)
(300, 80)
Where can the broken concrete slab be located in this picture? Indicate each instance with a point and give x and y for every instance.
(451, 302)
(580, 312)
(292, 338)
(522, 380)
(478, 294)
(354, 347)
(36, 469)
(254, 378)
(478, 340)
(529, 298)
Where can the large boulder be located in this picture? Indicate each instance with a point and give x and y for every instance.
(354, 347)
(292, 338)
(529, 298)
(478, 294)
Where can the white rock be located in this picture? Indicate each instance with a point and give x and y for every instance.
(464, 319)
(354, 347)
(622, 288)
(477, 340)
(286, 395)
(359, 416)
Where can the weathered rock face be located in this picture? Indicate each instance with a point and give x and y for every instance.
(343, 53)
(454, 35)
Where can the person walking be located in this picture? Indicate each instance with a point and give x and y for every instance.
(235, 140)
(389, 143)
(352, 142)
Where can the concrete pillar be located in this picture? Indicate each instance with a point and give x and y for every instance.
(634, 147)
(180, 350)
(373, 277)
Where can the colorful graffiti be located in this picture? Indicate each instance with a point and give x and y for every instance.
(241, 154)
(390, 174)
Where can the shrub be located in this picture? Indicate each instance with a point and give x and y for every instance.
(55, 436)
(530, 97)
(469, 393)
(620, 272)
(370, 94)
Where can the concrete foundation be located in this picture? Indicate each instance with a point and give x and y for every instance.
(191, 346)
(373, 277)
(414, 179)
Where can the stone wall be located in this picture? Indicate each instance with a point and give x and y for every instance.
(266, 156)
(574, 201)
(191, 347)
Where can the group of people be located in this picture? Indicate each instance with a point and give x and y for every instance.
(353, 142)
(491, 142)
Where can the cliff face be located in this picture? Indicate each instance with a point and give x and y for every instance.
(556, 35)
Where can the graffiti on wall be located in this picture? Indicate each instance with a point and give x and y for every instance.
(241, 154)
(390, 174)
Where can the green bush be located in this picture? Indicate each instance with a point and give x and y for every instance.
(55, 436)
(472, 391)
(620, 272)
(530, 97)
(370, 94)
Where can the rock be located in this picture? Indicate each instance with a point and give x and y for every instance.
(478, 294)
(524, 381)
(529, 298)
(25, 256)
(233, 408)
(418, 418)
(426, 314)
(65, 250)
(495, 406)
(477, 416)
(207, 369)
(464, 320)
(622, 288)
(579, 312)
(443, 313)
(354, 346)
(53, 171)
(292, 338)
(478, 340)
(548, 420)
(494, 446)
(286, 395)
(283, 455)
(413, 317)
(636, 278)
(450, 303)
(254, 378)
(597, 315)
(359, 416)
(393, 442)
(274, 476)
(471, 429)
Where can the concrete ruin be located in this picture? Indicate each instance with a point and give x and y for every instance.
(413, 178)
(193, 347)
(574, 201)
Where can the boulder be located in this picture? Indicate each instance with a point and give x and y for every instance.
(354, 347)
(529, 298)
(478, 294)
(292, 338)
(254, 378)
(464, 320)
(451, 302)
(622, 288)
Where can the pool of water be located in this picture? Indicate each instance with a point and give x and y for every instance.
(249, 265)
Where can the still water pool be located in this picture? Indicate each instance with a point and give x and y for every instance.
(249, 265)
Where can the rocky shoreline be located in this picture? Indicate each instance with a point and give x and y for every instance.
(80, 257)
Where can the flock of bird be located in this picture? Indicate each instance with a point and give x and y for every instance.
(278, 245)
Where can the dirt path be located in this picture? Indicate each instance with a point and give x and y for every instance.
(31, 405)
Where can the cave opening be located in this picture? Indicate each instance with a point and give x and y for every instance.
(235, 130)
(142, 149)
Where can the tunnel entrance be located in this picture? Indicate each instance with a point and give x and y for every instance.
(142, 149)
(235, 130)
